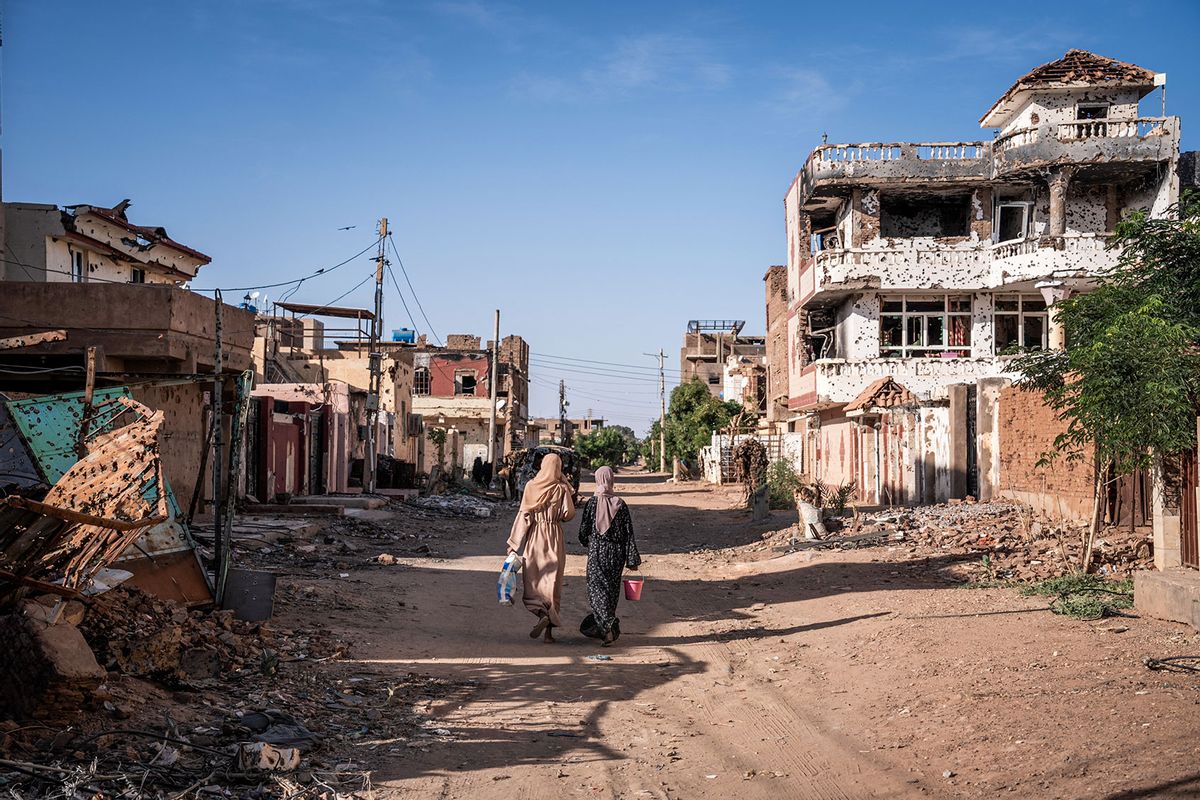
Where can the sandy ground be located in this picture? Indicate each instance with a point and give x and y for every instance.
(824, 675)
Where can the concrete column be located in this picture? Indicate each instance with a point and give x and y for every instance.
(1054, 292)
(1059, 182)
(958, 440)
(987, 432)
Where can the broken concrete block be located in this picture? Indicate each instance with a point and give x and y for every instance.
(47, 671)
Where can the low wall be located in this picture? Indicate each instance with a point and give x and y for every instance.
(1025, 431)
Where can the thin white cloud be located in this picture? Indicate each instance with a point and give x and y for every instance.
(672, 63)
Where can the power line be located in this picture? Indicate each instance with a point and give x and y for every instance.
(411, 319)
(602, 373)
(339, 297)
(297, 281)
(404, 271)
(590, 361)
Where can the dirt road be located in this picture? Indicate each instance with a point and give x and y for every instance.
(825, 675)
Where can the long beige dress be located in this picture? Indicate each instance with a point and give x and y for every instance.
(545, 552)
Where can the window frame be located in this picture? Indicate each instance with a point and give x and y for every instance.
(947, 316)
(460, 388)
(422, 382)
(1079, 107)
(1020, 314)
(1026, 207)
(135, 273)
(79, 262)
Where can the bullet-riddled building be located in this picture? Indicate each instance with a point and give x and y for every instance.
(915, 269)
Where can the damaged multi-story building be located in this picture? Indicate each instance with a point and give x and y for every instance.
(915, 270)
(713, 349)
(452, 391)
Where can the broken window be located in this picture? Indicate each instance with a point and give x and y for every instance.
(78, 262)
(137, 275)
(925, 326)
(1091, 111)
(421, 381)
(1021, 323)
(907, 216)
(464, 382)
(1012, 221)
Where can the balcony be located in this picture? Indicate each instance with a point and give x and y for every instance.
(924, 162)
(836, 381)
(921, 264)
(1088, 141)
(1074, 255)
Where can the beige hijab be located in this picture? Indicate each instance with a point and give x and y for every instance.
(539, 492)
(607, 502)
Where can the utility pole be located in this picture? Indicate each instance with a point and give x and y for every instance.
(662, 414)
(220, 545)
(495, 385)
(562, 412)
(375, 362)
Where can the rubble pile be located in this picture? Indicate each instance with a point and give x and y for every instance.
(198, 704)
(134, 633)
(466, 505)
(998, 540)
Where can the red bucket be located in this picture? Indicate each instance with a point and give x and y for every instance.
(633, 588)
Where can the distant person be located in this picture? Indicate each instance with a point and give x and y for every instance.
(606, 528)
(478, 475)
(537, 533)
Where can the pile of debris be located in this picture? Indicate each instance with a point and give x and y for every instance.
(1000, 540)
(466, 505)
(195, 702)
(136, 634)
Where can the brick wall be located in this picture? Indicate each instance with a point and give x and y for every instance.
(777, 346)
(1026, 430)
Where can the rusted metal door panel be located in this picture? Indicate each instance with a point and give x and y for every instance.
(1189, 535)
(50, 426)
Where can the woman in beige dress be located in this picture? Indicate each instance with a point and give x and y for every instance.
(548, 502)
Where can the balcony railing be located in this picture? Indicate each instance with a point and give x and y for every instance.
(1082, 131)
(828, 157)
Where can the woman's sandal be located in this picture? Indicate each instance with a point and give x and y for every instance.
(543, 625)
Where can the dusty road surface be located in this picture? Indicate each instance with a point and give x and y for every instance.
(755, 674)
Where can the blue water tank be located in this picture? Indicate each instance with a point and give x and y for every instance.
(404, 335)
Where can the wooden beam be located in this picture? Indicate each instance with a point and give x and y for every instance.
(89, 390)
(78, 517)
(33, 583)
(30, 339)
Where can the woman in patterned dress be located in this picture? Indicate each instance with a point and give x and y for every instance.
(606, 528)
(548, 502)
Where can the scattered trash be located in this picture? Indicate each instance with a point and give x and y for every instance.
(386, 559)
(263, 757)
(599, 658)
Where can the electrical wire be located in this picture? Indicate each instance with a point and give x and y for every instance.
(316, 311)
(597, 372)
(411, 319)
(297, 281)
(606, 363)
(407, 280)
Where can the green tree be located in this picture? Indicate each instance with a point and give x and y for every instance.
(1127, 383)
(692, 416)
(606, 447)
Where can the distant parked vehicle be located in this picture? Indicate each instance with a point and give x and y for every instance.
(520, 466)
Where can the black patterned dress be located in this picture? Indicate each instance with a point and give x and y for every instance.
(608, 556)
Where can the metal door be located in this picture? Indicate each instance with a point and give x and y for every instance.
(1189, 537)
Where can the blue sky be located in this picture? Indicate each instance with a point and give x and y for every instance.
(602, 172)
